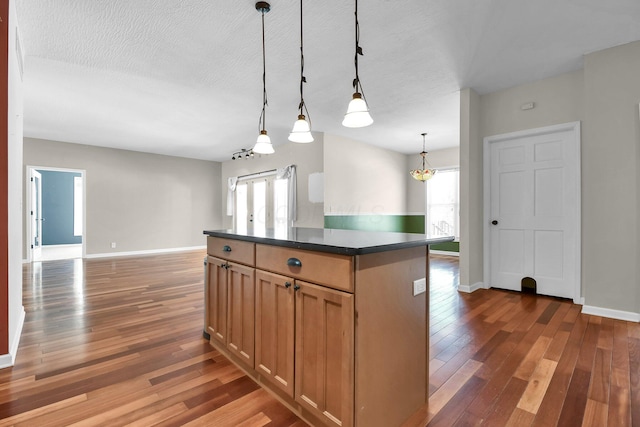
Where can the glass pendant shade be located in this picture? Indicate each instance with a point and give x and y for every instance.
(263, 144)
(301, 131)
(357, 115)
(425, 173)
(422, 174)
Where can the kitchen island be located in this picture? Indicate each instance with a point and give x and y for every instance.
(333, 322)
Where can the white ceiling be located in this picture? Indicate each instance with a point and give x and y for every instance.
(184, 77)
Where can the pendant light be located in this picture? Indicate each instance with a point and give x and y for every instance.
(357, 115)
(301, 128)
(426, 173)
(263, 144)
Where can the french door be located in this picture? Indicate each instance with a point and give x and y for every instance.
(261, 204)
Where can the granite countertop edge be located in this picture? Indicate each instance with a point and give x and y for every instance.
(333, 248)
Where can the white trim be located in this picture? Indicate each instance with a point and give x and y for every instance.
(256, 175)
(145, 252)
(470, 288)
(450, 253)
(7, 360)
(610, 313)
(65, 245)
(83, 173)
(571, 126)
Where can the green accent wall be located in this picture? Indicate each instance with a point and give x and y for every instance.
(446, 247)
(398, 223)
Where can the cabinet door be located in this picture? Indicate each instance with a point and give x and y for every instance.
(216, 299)
(274, 329)
(241, 312)
(324, 353)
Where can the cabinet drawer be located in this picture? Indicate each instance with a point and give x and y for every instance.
(232, 250)
(335, 271)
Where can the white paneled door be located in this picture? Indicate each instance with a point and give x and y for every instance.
(534, 210)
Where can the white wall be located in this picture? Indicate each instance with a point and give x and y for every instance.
(362, 179)
(557, 100)
(308, 159)
(471, 207)
(142, 202)
(604, 97)
(15, 308)
(610, 169)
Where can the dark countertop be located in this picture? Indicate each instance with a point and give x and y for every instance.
(346, 242)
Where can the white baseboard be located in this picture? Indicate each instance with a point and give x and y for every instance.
(147, 252)
(7, 360)
(613, 314)
(444, 253)
(470, 288)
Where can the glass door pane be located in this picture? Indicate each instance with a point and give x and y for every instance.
(260, 205)
(281, 207)
(242, 208)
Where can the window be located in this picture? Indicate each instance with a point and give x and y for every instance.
(443, 204)
(262, 202)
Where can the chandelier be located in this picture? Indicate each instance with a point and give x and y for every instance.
(425, 173)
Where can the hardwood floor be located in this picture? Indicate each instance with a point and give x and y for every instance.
(119, 342)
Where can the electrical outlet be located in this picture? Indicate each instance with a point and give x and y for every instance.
(419, 286)
(113, 245)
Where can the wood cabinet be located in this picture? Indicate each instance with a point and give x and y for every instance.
(241, 312)
(230, 307)
(310, 327)
(324, 353)
(216, 299)
(275, 318)
(341, 339)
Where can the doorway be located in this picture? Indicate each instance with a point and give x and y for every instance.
(532, 210)
(261, 203)
(55, 215)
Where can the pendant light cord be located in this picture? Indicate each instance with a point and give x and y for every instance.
(356, 82)
(303, 79)
(263, 117)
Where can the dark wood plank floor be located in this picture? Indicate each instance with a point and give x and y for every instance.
(119, 342)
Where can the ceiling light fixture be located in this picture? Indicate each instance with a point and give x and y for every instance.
(357, 115)
(263, 143)
(425, 173)
(301, 131)
(243, 153)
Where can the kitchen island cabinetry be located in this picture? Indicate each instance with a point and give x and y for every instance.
(275, 331)
(230, 307)
(333, 322)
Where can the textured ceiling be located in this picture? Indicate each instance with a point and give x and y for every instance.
(183, 77)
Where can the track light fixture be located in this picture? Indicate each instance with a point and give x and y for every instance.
(242, 154)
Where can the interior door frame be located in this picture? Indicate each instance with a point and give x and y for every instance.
(573, 127)
(34, 216)
(29, 230)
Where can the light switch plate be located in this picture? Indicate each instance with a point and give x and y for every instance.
(419, 286)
